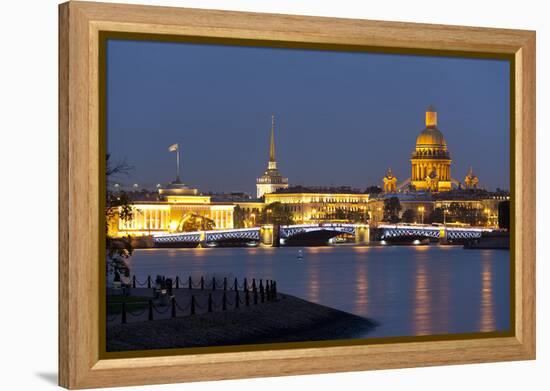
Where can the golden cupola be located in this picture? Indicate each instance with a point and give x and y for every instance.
(431, 161)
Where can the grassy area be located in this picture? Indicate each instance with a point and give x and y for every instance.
(133, 303)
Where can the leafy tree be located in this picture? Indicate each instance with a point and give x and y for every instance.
(238, 217)
(195, 222)
(466, 214)
(408, 216)
(276, 213)
(373, 190)
(340, 214)
(504, 215)
(392, 207)
(117, 205)
(437, 216)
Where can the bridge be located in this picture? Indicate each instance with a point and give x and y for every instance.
(316, 234)
(288, 234)
(434, 232)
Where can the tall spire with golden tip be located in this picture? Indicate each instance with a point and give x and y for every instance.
(272, 165)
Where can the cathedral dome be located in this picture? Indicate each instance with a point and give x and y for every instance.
(431, 138)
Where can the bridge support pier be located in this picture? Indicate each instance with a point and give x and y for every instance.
(362, 233)
(270, 235)
(266, 235)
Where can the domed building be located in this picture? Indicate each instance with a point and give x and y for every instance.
(431, 161)
(471, 180)
(390, 182)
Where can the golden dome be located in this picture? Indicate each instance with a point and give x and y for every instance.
(430, 138)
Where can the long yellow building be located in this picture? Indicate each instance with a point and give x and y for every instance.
(177, 202)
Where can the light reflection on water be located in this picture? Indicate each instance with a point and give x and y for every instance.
(415, 290)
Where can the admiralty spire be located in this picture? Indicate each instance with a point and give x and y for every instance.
(271, 180)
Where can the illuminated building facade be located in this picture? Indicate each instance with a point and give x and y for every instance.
(431, 161)
(318, 205)
(271, 180)
(176, 203)
(453, 208)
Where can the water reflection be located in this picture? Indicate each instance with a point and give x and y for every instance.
(362, 287)
(422, 308)
(314, 283)
(487, 322)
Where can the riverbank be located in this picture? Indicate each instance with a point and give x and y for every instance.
(288, 319)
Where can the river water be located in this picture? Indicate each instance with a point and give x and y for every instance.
(408, 290)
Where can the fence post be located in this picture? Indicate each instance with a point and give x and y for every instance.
(262, 295)
(225, 283)
(213, 283)
(134, 281)
(173, 306)
(210, 302)
(190, 283)
(123, 314)
(150, 310)
(192, 305)
(267, 291)
(245, 284)
(235, 285)
(255, 295)
(177, 282)
(202, 283)
(237, 299)
(148, 281)
(253, 284)
(224, 302)
(247, 298)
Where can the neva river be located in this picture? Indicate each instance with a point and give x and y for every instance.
(408, 290)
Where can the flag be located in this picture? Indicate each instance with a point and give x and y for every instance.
(173, 147)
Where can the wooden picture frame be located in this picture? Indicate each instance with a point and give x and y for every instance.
(81, 364)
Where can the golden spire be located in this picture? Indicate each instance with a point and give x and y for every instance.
(431, 117)
(272, 145)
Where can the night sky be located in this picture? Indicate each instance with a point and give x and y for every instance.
(341, 118)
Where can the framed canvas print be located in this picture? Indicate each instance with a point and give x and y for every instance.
(247, 195)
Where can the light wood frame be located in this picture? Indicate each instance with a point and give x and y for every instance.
(80, 364)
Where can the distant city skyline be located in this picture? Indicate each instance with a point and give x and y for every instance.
(341, 118)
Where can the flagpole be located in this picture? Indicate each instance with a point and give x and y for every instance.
(178, 164)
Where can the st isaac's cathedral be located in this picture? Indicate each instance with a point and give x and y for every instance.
(430, 163)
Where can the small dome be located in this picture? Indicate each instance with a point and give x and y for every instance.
(430, 138)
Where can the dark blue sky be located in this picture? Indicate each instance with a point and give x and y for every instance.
(341, 118)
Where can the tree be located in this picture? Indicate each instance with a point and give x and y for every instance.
(276, 213)
(195, 222)
(238, 217)
(373, 190)
(408, 216)
(466, 214)
(504, 215)
(392, 207)
(437, 216)
(117, 205)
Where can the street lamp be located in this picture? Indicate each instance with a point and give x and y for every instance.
(421, 210)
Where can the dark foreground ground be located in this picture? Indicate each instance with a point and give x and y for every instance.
(289, 319)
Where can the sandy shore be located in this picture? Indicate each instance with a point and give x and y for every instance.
(289, 319)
